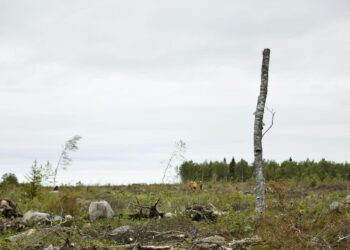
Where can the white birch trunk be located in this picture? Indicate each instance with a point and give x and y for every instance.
(258, 127)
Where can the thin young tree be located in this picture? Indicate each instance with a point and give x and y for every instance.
(64, 160)
(258, 134)
(37, 175)
(178, 156)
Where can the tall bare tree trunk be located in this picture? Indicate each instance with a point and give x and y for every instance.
(258, 127)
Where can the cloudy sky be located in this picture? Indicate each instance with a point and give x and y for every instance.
(134, 77)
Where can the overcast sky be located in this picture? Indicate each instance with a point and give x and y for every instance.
(134, 77)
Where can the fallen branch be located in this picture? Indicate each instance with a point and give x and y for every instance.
(343, 238)
(168, 235)
(137, 246)
(154, 247)
(245, 242)
(211, 242)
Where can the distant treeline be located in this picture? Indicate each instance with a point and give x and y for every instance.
(241, 171)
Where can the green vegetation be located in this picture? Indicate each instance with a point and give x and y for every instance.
(9, 179)
(297, 213)
(242, 171)
(37, 175)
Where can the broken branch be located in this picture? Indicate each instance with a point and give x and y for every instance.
(272, 118)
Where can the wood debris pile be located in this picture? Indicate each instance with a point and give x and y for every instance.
(8, 208)
(199, 213)
(146, 212)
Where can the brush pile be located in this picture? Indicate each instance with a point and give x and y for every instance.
(199, 212)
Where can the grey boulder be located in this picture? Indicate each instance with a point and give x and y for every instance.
(100, 209)
(36, 217)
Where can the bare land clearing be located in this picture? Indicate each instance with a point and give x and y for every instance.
(299, 215)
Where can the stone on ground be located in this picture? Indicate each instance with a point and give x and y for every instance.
(17, 237)
(335, 205)
(35, 217)
(121, 232)
(100, 209)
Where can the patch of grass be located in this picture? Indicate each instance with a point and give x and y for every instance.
(297, 214)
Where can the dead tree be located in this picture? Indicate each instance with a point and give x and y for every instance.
(151, 211)
(258, 127)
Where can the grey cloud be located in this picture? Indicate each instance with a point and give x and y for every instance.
(132, 77)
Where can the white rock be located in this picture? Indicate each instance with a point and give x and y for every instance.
(123, 231)
(16, 237)
(335, 205)
(347, 199)
(35, 217)
(216, 239)
(68, 217)
(4, 204)
(169, 215)
(51, 247)
(68, 221)
(100, 209)
(57, 218)
(220, 213)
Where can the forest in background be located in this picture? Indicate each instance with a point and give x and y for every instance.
(242, 171)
